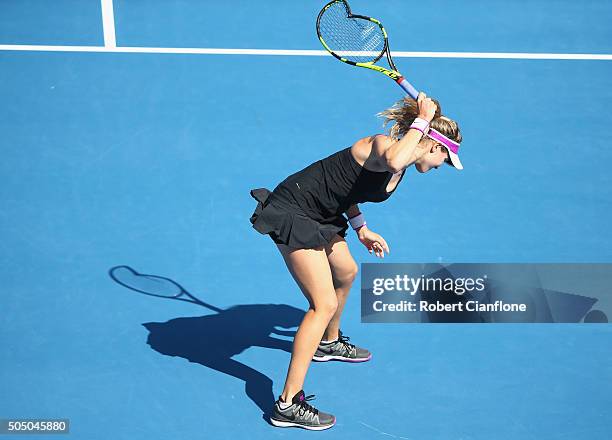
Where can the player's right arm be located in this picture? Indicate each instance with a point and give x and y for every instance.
(394, 155)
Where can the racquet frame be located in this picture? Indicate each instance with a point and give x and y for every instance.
(392, 73)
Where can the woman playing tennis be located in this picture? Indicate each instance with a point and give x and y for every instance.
(305, 216)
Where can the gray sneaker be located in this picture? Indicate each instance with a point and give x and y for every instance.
(302, 415)
(341, 350)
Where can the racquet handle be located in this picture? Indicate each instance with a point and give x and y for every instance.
(408, 88)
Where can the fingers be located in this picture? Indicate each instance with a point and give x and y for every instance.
(385, 245)
(379, 249)
(427, 107)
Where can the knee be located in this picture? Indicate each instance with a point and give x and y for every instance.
(347, 276)
(327, 307)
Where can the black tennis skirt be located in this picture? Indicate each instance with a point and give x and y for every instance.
(288, 224)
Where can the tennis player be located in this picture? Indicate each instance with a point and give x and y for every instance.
(304, 216)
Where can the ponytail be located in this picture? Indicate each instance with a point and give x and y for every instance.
(404, 112)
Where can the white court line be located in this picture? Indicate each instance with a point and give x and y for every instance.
(108, 23)
(280, 52)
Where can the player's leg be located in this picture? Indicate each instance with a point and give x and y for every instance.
(344, 270)
(335, 345)
(311, 271)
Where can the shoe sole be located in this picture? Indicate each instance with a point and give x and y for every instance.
(339, 358)
(284, 424)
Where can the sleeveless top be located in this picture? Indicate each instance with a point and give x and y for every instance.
(328, 187)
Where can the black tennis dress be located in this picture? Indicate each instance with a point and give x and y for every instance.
(305, 210)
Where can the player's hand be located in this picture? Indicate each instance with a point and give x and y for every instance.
(427, 107)
(373, 242)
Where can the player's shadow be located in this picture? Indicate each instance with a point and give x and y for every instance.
(212, 340)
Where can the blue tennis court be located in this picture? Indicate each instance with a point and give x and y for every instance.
(116, 158)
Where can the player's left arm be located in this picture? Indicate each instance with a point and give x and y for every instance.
(374, 242)
(353, 211)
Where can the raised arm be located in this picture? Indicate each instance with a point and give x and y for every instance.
(395, 155)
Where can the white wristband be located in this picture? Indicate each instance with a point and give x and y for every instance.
(420, 124)
(358, 221)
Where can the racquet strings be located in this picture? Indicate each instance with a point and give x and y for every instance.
(346, 35)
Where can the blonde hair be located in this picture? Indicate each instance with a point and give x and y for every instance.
(403, 113)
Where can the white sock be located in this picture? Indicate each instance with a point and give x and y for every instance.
(284, 405)
(329, 342)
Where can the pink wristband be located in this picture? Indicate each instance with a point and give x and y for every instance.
(357, 222)
(420, 124)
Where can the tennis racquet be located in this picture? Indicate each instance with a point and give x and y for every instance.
(357, 40)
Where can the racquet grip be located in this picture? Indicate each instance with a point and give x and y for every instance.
(408, 88)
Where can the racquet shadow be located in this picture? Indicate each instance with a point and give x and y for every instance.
(212, 340)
